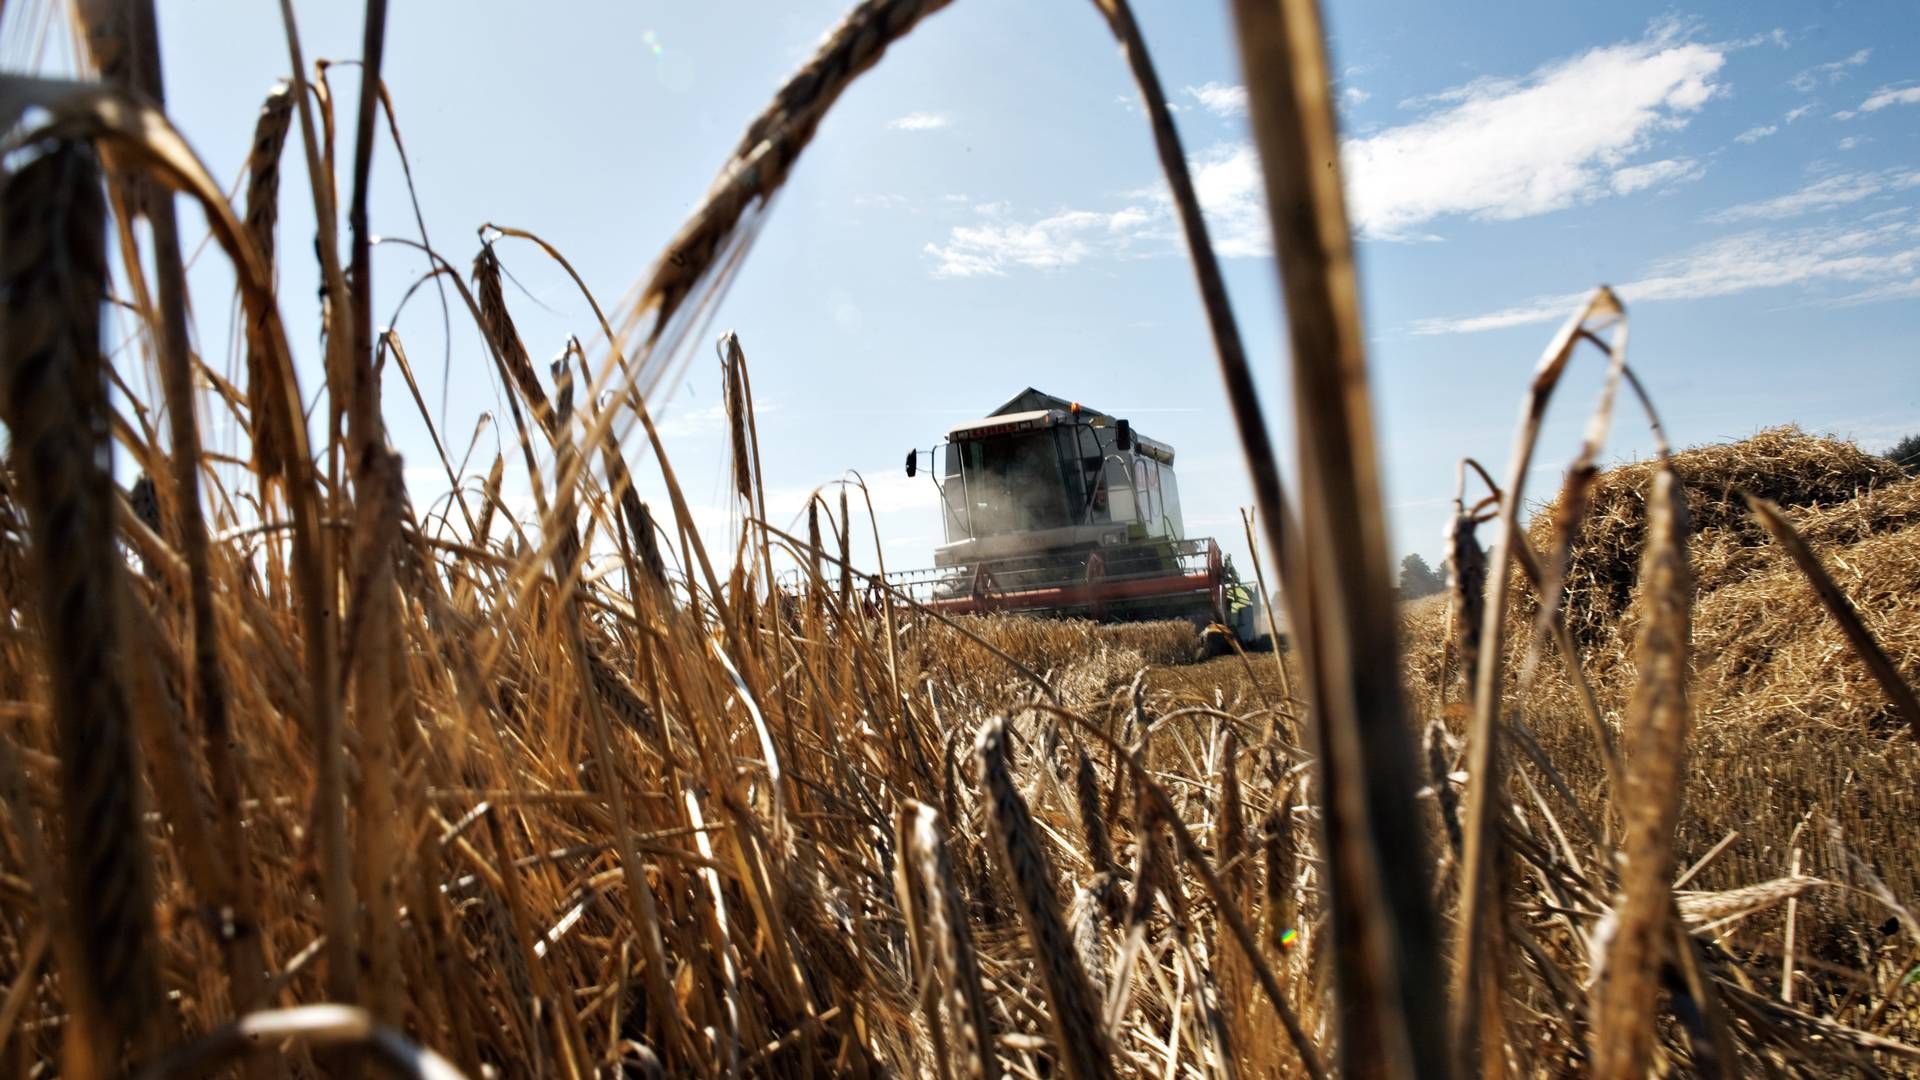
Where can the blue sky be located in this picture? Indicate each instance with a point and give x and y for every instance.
(983, 211)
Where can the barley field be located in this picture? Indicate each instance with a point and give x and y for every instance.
(300, 778)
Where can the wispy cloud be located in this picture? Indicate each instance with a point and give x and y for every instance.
(1220, 99)
(1814, 77)
(1776, 36)
(1354, 96)
(1634, 178)
(1132, 104)
(920, 121)
(701, 421)
(1755, 134)
(1892, 290)
(1499, 149)
(1062, 240)
(1881, 257)
(1226, 179)
(1887, 95)
(1826, 193)
(1796, 113)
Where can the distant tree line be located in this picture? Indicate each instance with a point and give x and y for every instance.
(1906, 454)
(1417, 579)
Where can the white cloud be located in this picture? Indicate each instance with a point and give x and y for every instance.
(1878, 256)
(1570, 132)
(920, 121)
(1510, 148)
(1634, 178)
(1840, 189)
(1892, 290)
(1755, 134)
(1227, 181)
(1850, 142)
(1354, 96)
(1797, 113)
(1065, 239)
(1776, 36)
(1888, 95)
(1220, 99)
(1809, 80)
(1128, 220)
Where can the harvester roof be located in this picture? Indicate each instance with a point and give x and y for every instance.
(1032, 409)
(1031, 400)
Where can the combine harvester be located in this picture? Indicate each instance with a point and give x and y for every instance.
(1053, 508)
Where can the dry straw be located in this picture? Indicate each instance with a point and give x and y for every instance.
(567, 794)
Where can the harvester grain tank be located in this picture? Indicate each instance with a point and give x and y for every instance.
(1052, 507)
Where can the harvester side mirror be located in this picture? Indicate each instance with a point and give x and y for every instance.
(1123, 436)
(913, 462)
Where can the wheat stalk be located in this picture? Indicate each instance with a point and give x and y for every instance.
(1385, 942)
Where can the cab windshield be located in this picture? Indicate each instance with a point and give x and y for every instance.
(1008, 483)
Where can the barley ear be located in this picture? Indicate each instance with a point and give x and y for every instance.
(501, 333)
(949, 941)
(1656, 731)
(263, 213)
(1466, 598)
(737, 424)
(1281, 856)
(1233, 826)
(53, 277)
(1080, 1042)
(1093, 821)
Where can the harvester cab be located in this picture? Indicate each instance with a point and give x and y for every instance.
(1051, 507)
